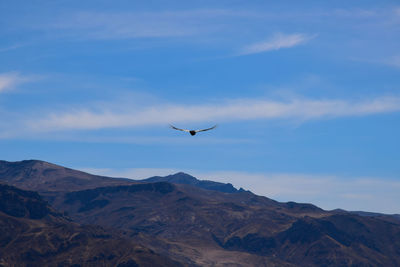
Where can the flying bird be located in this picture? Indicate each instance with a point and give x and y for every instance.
(192, 132)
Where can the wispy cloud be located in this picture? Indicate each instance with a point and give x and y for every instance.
(129, 25)
(276, 42)
(394, 61)
(235, 110)
(397, 11)
(11, 47)
(357, 13)
(327, 191)
(10, 80)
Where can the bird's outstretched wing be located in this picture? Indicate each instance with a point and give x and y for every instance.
(203, 130)
(183, 130)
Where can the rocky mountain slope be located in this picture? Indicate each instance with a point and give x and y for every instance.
(212, 227)
(201, 222)
(34, 234)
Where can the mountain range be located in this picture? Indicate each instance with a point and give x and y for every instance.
(175, 220)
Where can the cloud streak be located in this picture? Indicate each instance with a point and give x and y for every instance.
(278, 41)
(394, 61)
(300, 109)
(132, 25)
(11, 47)
(10, 80)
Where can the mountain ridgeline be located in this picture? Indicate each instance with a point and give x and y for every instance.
(175, 220)
(183, 178)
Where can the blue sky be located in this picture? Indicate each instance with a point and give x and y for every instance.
(306, 95)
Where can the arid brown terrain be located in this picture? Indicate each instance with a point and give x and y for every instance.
(34, 234)
(177, 218)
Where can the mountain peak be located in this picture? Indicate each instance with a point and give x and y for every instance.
(184, 178)
(45, 176)
(30, 163)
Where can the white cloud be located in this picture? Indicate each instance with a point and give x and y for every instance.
(11, 47)
(394, 61)
(9, 80)
(397, 11)
(355, 13)
(277, 42)
(326, 191)
(127, 25)
(237, 110)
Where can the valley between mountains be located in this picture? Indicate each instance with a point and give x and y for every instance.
(55, 216)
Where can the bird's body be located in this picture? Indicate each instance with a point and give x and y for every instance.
(192, 132)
